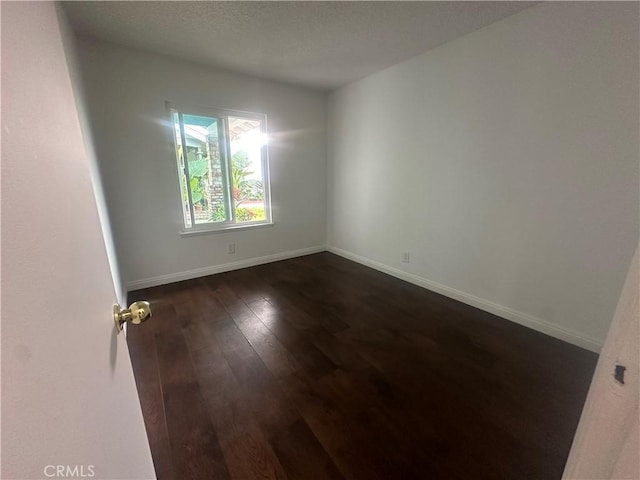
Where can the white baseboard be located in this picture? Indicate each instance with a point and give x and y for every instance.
(225, 267)
(538, 324)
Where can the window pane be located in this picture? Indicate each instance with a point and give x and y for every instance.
(186, 212)
(205, 153)
(247, 141)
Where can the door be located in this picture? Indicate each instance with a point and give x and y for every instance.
(69, 402)
(606, 442)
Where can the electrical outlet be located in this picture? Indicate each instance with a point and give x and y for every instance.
(231, 248)
(405, 257)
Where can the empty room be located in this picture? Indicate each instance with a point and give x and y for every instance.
(320, 240)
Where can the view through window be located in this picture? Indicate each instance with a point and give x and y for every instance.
(222, 167)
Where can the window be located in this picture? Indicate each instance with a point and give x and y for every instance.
(222, 168)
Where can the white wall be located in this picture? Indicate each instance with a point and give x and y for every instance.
(68, 392)
(505, 161)
(69, 42)
(126, 92)
(606, 443)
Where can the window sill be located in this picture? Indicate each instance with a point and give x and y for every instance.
(231, 228)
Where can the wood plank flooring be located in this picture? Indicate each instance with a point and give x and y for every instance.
(321, 368)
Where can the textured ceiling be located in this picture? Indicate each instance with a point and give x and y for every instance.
(317, 44)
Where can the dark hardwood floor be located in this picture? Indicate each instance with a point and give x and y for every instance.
(318, 367)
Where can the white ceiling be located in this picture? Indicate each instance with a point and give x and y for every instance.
(316, 44)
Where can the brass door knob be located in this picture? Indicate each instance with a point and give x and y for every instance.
(137, 313)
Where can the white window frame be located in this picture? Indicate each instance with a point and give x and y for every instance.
(224, 114)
